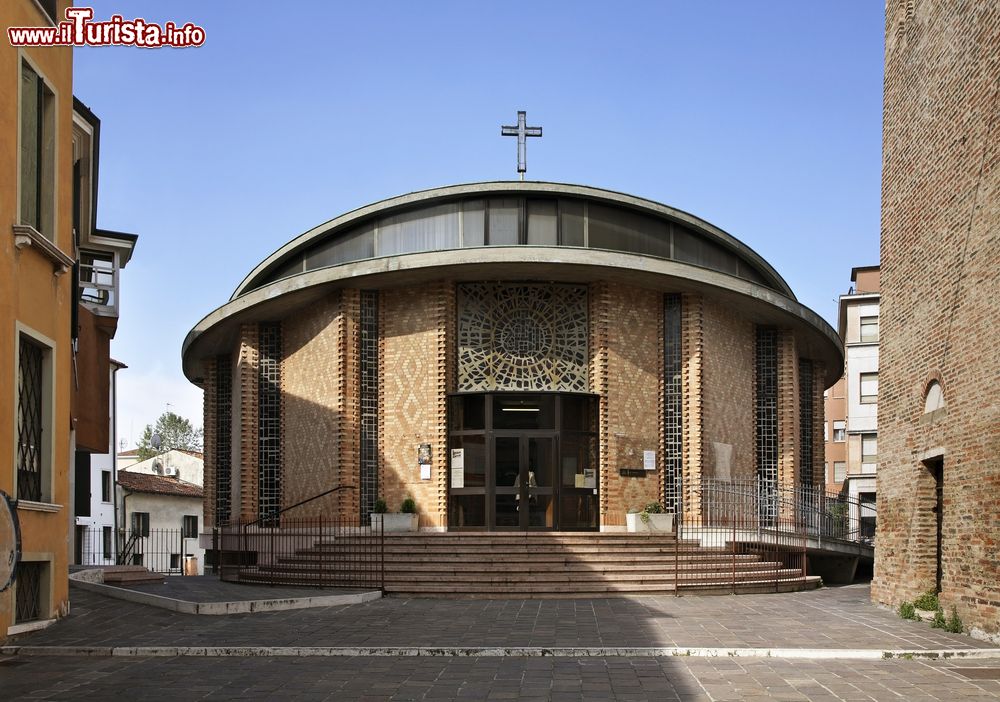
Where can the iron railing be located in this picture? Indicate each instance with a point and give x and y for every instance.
(162, 551)
(811, 511)
(316, 552)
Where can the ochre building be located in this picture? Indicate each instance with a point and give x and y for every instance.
(512, 355)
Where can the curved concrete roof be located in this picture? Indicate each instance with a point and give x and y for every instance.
(345, 222)
(218, 332)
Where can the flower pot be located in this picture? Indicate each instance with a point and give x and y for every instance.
(395, 522)
(656, 523)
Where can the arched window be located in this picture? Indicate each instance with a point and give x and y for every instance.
(934, 397)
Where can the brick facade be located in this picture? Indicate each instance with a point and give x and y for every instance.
(320, 376)
(413, 329)
(728, 386)
(633, 355)
(317, 414)
(940, 280)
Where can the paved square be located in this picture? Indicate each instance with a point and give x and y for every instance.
(828, 619)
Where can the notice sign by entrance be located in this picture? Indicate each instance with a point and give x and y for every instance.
(458, 468)
(649, 460)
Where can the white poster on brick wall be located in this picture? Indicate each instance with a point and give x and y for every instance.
(458, 468)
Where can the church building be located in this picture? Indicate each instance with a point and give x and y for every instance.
(512, 355)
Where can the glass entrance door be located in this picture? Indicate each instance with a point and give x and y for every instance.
(524, 475)
(523, 461)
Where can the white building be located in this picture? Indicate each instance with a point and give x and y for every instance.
(94, 509)
(859, 328)
(161, 519)
(188, 466)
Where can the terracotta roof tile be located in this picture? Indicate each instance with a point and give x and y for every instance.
(157, 484)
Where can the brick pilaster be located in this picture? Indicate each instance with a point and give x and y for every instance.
(247, 368)
(693, 350)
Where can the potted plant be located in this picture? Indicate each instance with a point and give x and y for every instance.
(652, 518)
(404, 520)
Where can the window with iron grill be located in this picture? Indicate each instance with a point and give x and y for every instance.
(29, 421)
(29, 591)
(369, 401)
(805, 422)
(269, 420)
(223, 437)
(673, 410)
(766, 425)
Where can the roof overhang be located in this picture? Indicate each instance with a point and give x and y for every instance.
(505, 189)
(218, 332)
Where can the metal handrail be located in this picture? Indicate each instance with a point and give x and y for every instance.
(800, 509)
(276, 513)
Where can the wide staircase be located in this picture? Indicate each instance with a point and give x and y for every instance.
(539, 565)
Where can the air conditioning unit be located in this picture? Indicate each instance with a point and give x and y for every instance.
(171, 472)
(158, 467)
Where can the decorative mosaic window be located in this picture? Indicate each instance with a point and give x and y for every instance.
(522, 337)
(766, 424)
(269, 421)
(369, 402)
(223, 437)
(805, 422)
(673, 409)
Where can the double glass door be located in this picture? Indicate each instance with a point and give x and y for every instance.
(523, 461)
(524, 470)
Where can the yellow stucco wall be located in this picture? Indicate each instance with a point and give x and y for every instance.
(32, 296)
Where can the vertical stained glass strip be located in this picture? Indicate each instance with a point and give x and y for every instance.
(223, 438)
(369, 402)
(269, 420)
(767, 422)
(673, 409)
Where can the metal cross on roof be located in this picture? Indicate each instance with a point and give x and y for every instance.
(521, 131)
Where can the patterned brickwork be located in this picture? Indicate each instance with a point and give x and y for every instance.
(634, 370)
(247, 373)
(693, 355)
(940, 279)
(728, 393)
(313, 378)
(413, 396)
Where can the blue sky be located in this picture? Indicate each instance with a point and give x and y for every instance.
(762, 117)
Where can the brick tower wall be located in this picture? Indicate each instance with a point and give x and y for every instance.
(940, 277)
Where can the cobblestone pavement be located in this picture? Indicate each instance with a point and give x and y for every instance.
(524, 679)
(827, 618)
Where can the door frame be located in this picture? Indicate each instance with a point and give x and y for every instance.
(489, 436)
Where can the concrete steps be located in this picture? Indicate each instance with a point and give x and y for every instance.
(487, 565)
